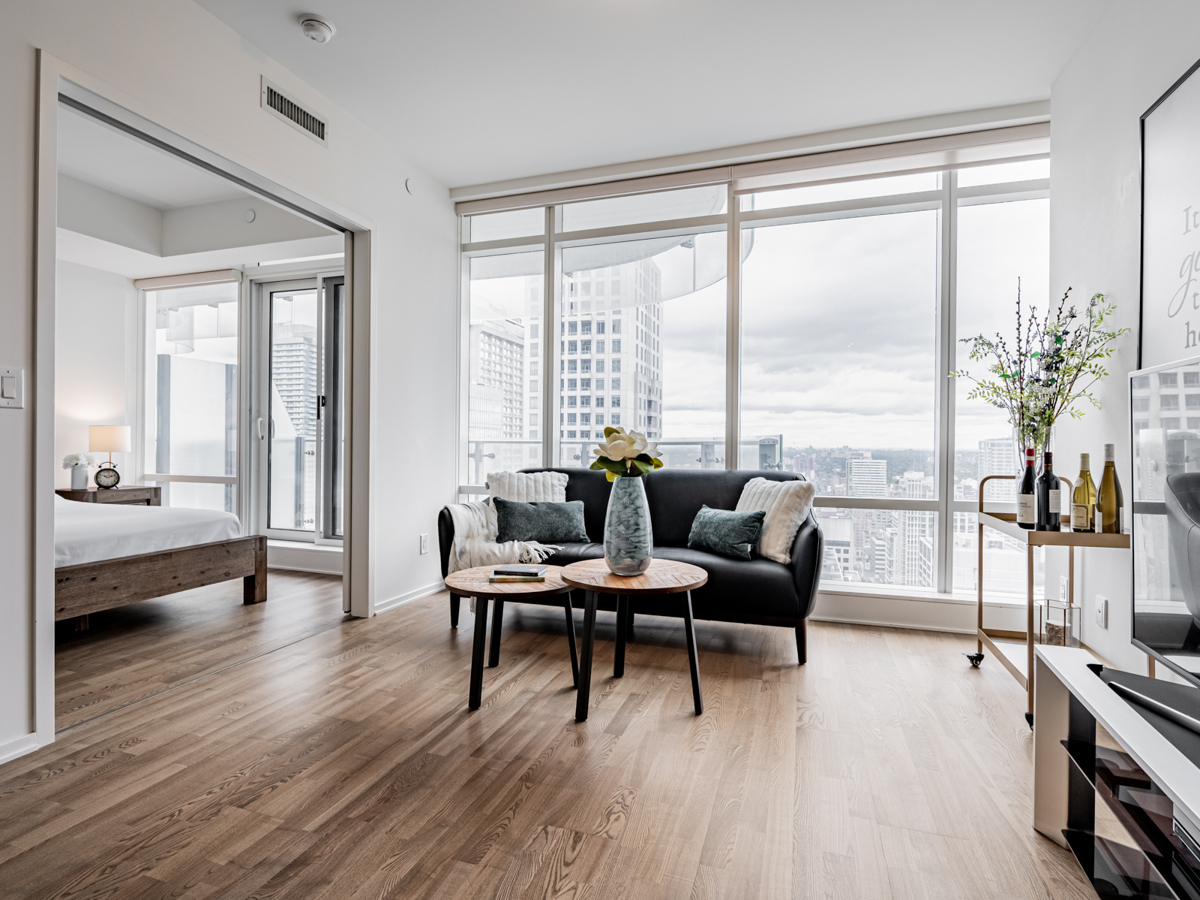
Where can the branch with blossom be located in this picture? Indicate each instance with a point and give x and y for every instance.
(1053, 365)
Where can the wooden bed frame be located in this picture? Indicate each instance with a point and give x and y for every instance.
(91, 587)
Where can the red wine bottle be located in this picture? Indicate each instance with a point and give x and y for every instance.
(1026, 502)
(1049, 497)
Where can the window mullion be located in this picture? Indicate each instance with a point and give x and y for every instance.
(945, 356)
(551, 304)
(733, 334)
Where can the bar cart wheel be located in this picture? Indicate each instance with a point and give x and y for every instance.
(975, 658)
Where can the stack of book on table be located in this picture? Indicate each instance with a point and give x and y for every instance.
(503, 574)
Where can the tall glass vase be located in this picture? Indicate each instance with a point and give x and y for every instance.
(628, 536)
(1040, 442)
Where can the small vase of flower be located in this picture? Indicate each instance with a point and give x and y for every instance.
(628, 536)
(78, 464)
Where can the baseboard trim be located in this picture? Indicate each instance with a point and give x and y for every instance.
(300, 557)
(933, 614)
(18, 747)
(420, 593)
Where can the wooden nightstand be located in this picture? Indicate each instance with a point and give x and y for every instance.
(131, 495)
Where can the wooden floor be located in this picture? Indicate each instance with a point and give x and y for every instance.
(345, 765)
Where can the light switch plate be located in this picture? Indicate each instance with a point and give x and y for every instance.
(424, 543)
(12, 387)
(1063, 593)
(1101, 611)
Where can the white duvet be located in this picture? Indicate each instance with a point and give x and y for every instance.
(88, 532)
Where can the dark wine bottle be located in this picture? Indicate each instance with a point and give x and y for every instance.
(1049, 497)
(1026, 502)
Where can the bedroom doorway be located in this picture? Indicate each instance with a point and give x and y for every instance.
(151, 287)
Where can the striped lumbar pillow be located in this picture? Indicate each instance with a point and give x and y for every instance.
(787, 504)
(529, 487)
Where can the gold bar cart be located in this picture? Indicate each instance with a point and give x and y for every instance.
(1007, 524)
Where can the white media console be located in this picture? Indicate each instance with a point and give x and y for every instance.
(1130, 815)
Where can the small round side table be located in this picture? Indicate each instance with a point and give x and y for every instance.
(474, 583)
(664, 576)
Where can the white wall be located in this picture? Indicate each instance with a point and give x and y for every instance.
(95, 342)
(1133, 54)
(174, 61)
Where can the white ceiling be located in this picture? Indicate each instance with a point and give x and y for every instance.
(484, 90)
(94, 153)
(109, 257)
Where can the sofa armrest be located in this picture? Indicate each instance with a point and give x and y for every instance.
(445, 527)
(807, 552)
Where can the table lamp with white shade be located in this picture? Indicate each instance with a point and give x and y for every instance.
(109, 439)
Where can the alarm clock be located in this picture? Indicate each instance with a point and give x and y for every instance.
(107, 476)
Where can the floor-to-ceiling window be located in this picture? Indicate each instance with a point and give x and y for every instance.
(191, 422)
(828, 355)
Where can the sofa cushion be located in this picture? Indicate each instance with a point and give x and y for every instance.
(787, 505)
(725, 532)
(547, 523)
(575, 552)
(528, 487)
(737, 589)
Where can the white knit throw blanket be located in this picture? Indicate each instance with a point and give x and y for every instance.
(475, 540)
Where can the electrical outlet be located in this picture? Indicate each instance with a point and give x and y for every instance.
(1064, 595)
(1101, 611)
(424, 544)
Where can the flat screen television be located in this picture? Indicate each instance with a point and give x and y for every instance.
(1165, 525)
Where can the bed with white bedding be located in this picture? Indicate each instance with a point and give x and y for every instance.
(108, 555)
(90, 532)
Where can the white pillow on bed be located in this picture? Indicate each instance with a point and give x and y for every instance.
(787, 504)
(529, 487)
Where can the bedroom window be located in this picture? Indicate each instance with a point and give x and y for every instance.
(191, 403)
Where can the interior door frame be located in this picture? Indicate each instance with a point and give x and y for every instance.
(59, 81)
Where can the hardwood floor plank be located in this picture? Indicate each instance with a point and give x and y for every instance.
(213, 750)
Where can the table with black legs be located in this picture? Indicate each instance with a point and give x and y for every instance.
(663, 577)
(474, 583)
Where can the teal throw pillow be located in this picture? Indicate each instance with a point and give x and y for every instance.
(547, 523)
(726, 532)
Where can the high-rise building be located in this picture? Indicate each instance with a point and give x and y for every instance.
(998, 456)
(497, 362)
(294, 375)
(610, 366)
(868, 477)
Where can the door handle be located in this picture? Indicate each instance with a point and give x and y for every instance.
(260, 426)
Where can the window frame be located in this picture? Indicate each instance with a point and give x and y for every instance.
(947, 199)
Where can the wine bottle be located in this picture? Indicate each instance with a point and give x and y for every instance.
(1110, 504)
(1083, 500)
(1026, 504)
(1049, 497)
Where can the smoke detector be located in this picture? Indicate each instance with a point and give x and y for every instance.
(317, 28)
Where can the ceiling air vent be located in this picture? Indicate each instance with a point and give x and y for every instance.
(280, 105)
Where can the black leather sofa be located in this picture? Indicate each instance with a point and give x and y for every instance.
(757, 591)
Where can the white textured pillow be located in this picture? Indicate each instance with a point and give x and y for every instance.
(529, 487)
(787, 504)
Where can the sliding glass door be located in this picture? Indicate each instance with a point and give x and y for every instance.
(300, 426)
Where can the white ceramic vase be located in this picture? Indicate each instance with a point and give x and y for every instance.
(79, 478)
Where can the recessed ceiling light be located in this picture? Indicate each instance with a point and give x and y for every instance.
(317, 28)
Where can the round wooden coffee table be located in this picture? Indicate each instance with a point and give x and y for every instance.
(474, 583)
(664, 576)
